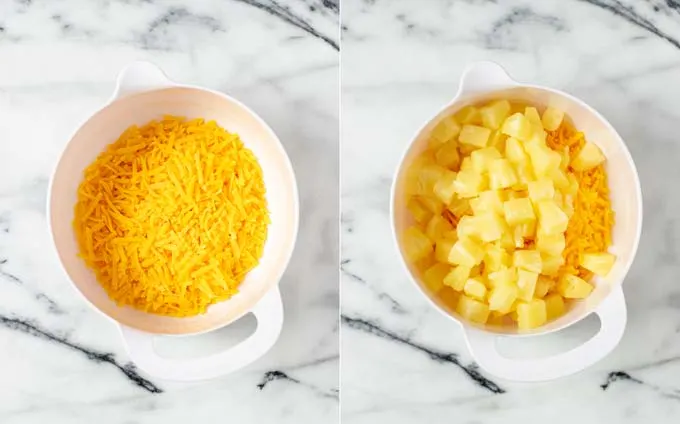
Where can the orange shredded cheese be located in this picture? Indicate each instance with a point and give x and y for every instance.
(589, 229)
(172, 216)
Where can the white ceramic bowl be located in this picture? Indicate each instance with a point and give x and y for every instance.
(485, 81)
(144, 93)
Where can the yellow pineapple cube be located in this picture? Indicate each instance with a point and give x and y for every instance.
(433, 277)
(418, 211)
(495, 113)
(445, 130)
(445, 187)
(502, 298)
(432, 204)
(518, 238)
(543, 159)
(526, 284)
(449, 297)
(525, 175)
(543, 286)
(568, 205)
(442, 248)
(469, 115)
(496, 319)
(490, 227)
(529, 260)
(447, 155)
(482, 157)
(551, 219)
(598, 263)
(588, 157)
(542, 189)
(518, 211)
(572, 190)
(467, 227)
(505, 276)
(428, 176)
(526, 230)
(551, 244)
(475, 289)
(551, 264)
(538, 138)
(466, 164)
(566, 158)
(469, 183)
(559, 179)
(436, 227)
(457, 277)
(514, 151)
(497, 140)
(507, 241)
(501, 174)
(552, 118)
(573, 287)
(490, 201)
(532, 115)
(554, 306)
(460, 207)
(416, 244)
(474, 135)
(518, 126)
(531, 314)
(496, 258)
(473, 310)
(466, 252)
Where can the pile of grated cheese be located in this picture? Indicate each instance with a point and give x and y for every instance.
(589, 229)
(172, 216)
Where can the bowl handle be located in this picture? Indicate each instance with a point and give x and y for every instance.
(269, 315)
(139, 76)
(484, 76)
(612, 313)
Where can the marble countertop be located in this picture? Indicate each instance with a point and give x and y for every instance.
(402, 361)
(61, 362)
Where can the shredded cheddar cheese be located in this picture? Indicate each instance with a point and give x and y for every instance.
(589, 229)
(172, 216)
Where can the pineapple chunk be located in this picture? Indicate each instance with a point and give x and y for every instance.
(473, 135)
(449, 297)
(518, 126)
(416, 244)
(564, 163)
(573, 287)
(568, 205)
(490, 201)
(552, 118)
(467, 227)
(526, 230)
(473, 310)
(506, 276)
(442, 248)
(517, 237)
(459, 207)
(554, 306)
(551, 219)
(437, 226)
(447, 155)
(542, 189)
(551, 264)
(518, 211)
(445, 187)
(469, 115)
(599, 263)
(507, 241)
(501, 174)
(532, 115)
(497, 140)
(490, 227)
(457, 277)
(525, 175)
(526, 284)
(551, 244)
(529, 260)
(469, 183)
(589, 157)
(466, 252)
(514, 151)
(432, 204)
(559, 179)
(572, 190)
(543, 286)
(475, 289)
(531, 314)
(495, 113)
(543, 159)
(466, 163)
(502, 298)
(445, 130)
(433, 277)
(428, 176)
(496, 259)
(418, 211)
(496, 319)
(482, 157)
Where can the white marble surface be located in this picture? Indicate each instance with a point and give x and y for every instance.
(60, 362)
(403, 362)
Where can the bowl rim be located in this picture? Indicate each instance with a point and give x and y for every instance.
(540, 330)
(286, 257)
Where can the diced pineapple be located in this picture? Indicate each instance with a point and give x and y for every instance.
(514, 151)
(525, 175)
(526, 230)
(444, 131)
(469, 115)
(559, 179)
(517, 237)
(542, 189)
(496, 319)
(436, 227)
(418, 211)
(474, 135)
(497, 140)
(552, 219)
(518, 126)
(506, 276)
(432, 204)
(473, 310)
(552, 118)
(532, 115)
(543, 159)
(466, 252)
(416, 244)
(551, 244)
(573, 184)
(496, 258)
(488, 201)
(447, 155)
(573, 287)
(482, 157)
(490, 227)
(589, 157)
(469, 183)
(433, 277)
(538, 138)
(428, 176)
(457, 277)
(475, 289)
(566, 158)
(543, 285)
(502, 297)
(551, 264)
(529, 260)
(531, 314)
(445, 187)
(599, 263)
(507, 241)
(495, 113)
(466, 163)
(501, 174)
(442, 248)
(467, 227)
(449, 297)
(554, 306)
(459, 207)
(518, 211)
